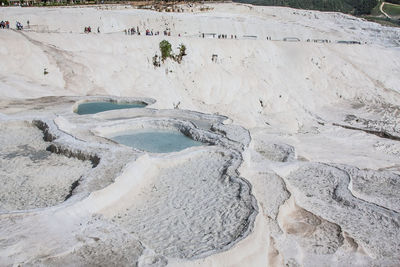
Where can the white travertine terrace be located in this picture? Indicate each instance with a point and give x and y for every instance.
(300, 165)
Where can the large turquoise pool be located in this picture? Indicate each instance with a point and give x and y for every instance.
(157, 141)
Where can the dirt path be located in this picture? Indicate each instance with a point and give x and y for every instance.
(383, 12)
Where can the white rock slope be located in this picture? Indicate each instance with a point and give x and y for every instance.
(310, 178)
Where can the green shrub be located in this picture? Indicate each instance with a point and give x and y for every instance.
(166, 52)
(166, 49)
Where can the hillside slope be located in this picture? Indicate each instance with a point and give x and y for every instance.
(301, 74)
(357, 7)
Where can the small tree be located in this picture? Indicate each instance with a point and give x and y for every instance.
(182, 50)
(166, 49)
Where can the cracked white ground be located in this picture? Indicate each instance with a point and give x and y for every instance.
(300, 165)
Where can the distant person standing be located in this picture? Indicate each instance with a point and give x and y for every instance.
(98, 29)
(27, 23)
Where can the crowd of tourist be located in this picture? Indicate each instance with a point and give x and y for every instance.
(133, 31)
(225, 36)
(5, 24)
(318, 41)
(89, 29)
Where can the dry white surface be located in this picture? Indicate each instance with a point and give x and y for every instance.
(323, 120)
(32, 177)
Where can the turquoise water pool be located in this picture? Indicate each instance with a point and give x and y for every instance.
(157, 141)
(96, 107)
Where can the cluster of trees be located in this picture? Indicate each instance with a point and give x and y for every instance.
(397, 2)
(357, 7)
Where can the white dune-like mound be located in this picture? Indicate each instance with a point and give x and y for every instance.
(299, 162)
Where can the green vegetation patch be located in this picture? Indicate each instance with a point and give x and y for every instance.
(384, 21)
(166, 52)
(356, 7)
(391, 9)
(376, 11)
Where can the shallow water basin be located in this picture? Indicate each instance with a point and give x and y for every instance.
(156, 141)
(96, 107)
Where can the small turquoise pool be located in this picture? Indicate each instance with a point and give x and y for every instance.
(96, 107)
(157, 141)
